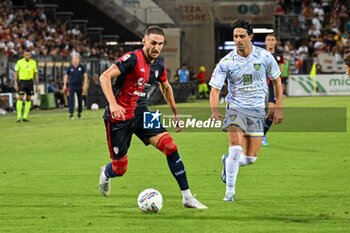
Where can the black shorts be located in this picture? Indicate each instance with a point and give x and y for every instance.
(119, 134)
(272, 97)
(25, 86)
(284, 80)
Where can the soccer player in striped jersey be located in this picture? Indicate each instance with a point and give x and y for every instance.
(245, 68)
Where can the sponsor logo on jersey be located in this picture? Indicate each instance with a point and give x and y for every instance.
(140, 82)
(126, 57)
(116, 150)
(138, 93)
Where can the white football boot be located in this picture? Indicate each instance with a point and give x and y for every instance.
(229, 197)
(192, 202)
(105, 183)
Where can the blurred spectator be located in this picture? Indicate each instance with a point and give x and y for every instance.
(285, 75)
(60, 94)
(343, 16)
(297, 6)
(314, 32)
(183, 74)
(202, 83)
(326, 5)
(191, 74)
(8, 87)
(319, 11)
(308, 14)
(317, 23)
(279, 10)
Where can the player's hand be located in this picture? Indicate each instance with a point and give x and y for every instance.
(64, 89)
(278, 116)
(117, 111)
(177, 120)
(37, 88)
(216, 115)
(83, 91)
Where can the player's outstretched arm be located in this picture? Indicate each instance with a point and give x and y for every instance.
(106, 83)
(214, 102)
(278, 116)
(168, 95)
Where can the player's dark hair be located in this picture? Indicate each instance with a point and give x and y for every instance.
(241, 23)
(271, 34)
(154, 30)
(347, 60)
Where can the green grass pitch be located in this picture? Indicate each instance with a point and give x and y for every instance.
(49, 171)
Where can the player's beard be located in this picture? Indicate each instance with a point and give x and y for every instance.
(153, 54)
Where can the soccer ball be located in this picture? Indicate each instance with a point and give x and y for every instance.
(150, 201)
(94, 106)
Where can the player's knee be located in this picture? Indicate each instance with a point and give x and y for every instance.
(120, 166)
(166, 144)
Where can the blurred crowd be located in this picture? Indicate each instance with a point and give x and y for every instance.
(324, 22)
(29, 28)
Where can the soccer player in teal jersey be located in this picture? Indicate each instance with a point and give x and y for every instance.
(246, 69)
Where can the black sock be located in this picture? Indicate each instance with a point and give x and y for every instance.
(177, 168)
(267, 125)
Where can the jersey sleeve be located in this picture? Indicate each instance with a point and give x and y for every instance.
(163, 76)
(126, 63)
(218, 77)
(68, 71)
(35, 67)
(17, 66)
(273, 69)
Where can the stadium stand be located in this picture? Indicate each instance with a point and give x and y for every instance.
(310, 29)
(310, 32)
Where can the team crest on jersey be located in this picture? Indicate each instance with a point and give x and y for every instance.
(140, 82)
(116, 150)
(257, 66)
(233, 117)
(126, 57)
(156, 73)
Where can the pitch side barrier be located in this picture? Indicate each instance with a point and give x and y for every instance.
(320, 85)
